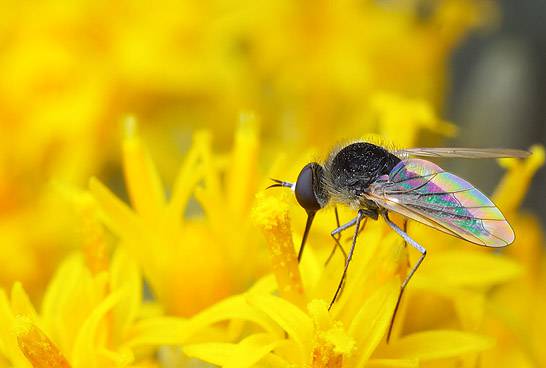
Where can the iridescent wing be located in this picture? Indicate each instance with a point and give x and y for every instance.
(462, 152)
(422, 191)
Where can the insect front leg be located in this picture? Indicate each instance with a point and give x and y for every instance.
(413, 243)
(336, 235)
(354, 222)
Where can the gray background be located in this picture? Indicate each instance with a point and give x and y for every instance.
(498, 93)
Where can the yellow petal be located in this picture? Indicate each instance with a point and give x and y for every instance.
(120, 358)
(95, 247)
(512, 356)
(213, 352)
(275, 361)
(265, 285)
(241, 178)
(125, 278)
(515, 184)
(469, 269)
(371, 322)
(87, 341)
(401, 120)
(290, 318)
(20, 302)
(188, 176)
(37, 347)
(392, 363)
(178, 331)
(210, 195)
(470, 307)
(69, 298)
(9, 346)
(142, 179)
(212, 181)
(91, 233)
(236, 307)
(438, 344)
(312, 269)
(244, 354)
(119, 217)
(376, 262)
(158, 331)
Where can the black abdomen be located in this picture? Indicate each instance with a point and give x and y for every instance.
(358, 165)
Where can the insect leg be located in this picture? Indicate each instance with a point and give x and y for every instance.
(405, 229)
(399, 300)
(423, 251)
(336, 240)
(355, 221)
(363, 224)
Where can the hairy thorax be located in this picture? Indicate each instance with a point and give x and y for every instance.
(350, 170)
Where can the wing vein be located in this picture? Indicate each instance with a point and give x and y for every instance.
(416, 177)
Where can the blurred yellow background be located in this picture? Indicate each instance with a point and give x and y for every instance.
(301, 75)
(72, 71)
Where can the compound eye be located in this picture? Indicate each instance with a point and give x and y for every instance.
(305, 188)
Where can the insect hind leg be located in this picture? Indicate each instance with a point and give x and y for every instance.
(423, 251)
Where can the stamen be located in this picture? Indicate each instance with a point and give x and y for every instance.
(271, 215)
(37, 347)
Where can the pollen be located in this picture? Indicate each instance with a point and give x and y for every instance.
(36, 346)
(330, 332)
(271, 215)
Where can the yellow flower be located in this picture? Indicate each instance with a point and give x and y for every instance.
(392, 113)
(352, 334)
(298, 329)
(174, 245)
(91, 314)
(67, 73)
(315, 74)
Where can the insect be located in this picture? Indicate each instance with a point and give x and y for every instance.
(375, 181)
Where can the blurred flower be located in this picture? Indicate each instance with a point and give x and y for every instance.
(315, 74)
(401, 120)
(68, 72)
(515, 310)
(91, 315)
(172, 240)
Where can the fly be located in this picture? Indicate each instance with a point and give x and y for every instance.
(374, 182)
